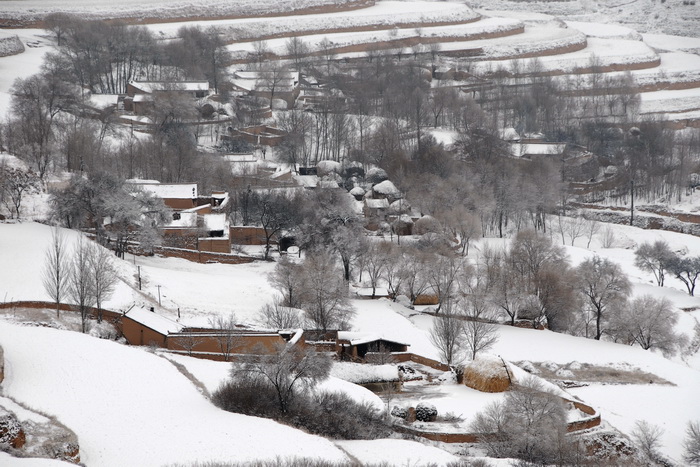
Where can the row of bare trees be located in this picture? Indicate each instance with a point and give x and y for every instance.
(534, 281)
(81, 273)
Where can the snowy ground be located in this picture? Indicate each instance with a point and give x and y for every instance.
(382, 15)
(130, 407)
(33, 10)
(203, 290)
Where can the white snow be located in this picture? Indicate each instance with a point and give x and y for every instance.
(362, 373)
(396, 452)
(154, 320)
(168, 190)
(130, 407)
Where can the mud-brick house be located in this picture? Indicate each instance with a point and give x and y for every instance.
(375, 210)
(144, 326)
(140, 94)
(357, 345)
(177, 196)
(197, 223)
(283, 85)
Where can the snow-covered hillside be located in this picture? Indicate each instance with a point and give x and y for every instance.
(131, 407)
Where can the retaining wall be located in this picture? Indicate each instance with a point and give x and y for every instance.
(571, 427)
(197, 256)
(36, 22)
(411, 357)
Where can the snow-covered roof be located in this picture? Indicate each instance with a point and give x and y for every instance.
(167, 190)
(376, 203)
(143, 98)
(187, 219)
(215, 221)
(153, 86)
(544, 148)
(386, 188)
(102, 101)
(329, 184)
(239, 158)
(358, 338)
(509, 134)
(256, 75)
(357, 191)
(307, 181)
(153, 320)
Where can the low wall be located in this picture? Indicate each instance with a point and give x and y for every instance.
(35, 20)
(411, 357)
(196, 256)
(38, 305)
(571, 427)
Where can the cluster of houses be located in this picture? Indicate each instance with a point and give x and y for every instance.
(198, 223)
(145, 326)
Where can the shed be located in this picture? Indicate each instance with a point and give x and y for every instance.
(358, 345)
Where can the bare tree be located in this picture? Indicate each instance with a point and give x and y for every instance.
(692, 444)
(480, 333)
(297, 50)
(56, 274)
(277, 316)
(290, 371)
(374, 263)
(686, 270)
(325, 292)
(287, 278)
(447, 335)
(104, 275)
(443, 276)
(648, 438)
(261, 51)
(529, 424)
(649, 322)
(188, 341)
(607, 238)
(226, 334)
(572, 227)
(605, 288)
(592, 227)
(15, 185)
(82, 285)
(654, 258)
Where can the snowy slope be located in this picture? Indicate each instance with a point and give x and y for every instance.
(130, 407)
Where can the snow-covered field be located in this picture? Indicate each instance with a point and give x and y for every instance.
(382, 15)
(598, 52)
(130, 407)
(35, 10)
(649, 16)
(242, 289)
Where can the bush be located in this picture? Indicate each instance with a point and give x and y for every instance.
(399, 412)
(426, 412)
(334, 415)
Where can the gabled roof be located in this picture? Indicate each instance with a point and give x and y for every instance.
(153, 86)
(167, 190)
(359, 338)
(377, 203)
(154, 321)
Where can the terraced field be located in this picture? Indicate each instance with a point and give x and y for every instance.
(480, 42)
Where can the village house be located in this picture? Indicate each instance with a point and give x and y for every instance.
(274, 84)
(140, 94)
(197, 223)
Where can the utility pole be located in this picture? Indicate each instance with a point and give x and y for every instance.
(632, 198)
(158, 294)
(138, 268)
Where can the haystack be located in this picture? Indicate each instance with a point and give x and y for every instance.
(487, 373)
